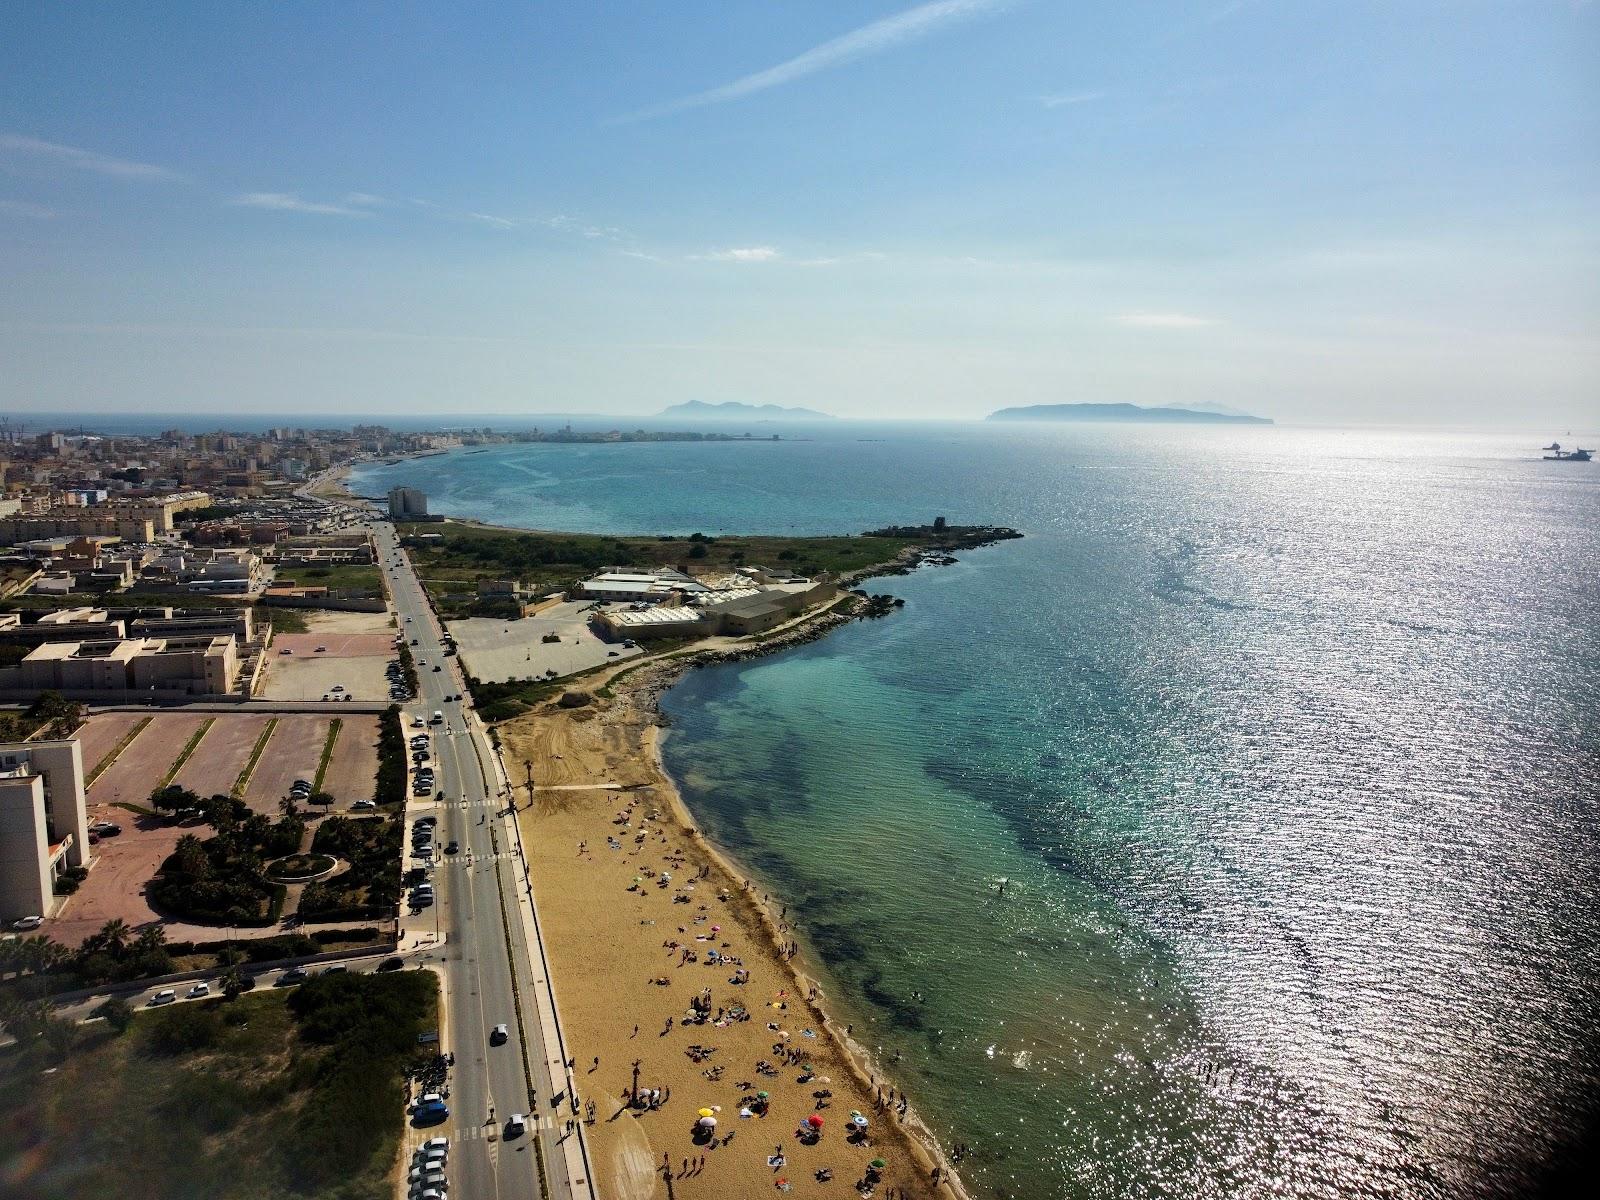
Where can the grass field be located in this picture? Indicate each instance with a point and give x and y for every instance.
(336, 576)
(286, 1093)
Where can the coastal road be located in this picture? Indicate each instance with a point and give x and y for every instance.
(486, 962)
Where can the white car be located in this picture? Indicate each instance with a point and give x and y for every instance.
(22, 923)
(200, 989)
(164, 996)
(499, 1035)
(517, 1125)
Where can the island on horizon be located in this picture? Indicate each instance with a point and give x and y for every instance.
(1131, 413)
(701, 410)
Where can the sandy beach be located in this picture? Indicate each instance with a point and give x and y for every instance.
(643, 920)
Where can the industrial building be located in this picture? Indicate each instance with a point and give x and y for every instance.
(43, 825)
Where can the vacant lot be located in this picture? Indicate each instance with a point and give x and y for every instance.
(353, 770)
(334, 645)
(293, 753)
(98, 736)
(286, 1093)
(139, 769)
(216, 762)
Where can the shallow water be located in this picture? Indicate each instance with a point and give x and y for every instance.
(1284, 743)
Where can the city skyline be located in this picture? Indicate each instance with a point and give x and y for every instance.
(1325, 214)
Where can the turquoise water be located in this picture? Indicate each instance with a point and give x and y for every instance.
(1284, 743)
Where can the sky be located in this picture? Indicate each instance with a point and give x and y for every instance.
(1323, 211)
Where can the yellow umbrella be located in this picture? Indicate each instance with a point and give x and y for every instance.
(705, 1112)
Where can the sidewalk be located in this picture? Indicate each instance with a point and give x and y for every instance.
(575, 1150)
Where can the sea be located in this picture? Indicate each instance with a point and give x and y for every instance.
(1231, 834)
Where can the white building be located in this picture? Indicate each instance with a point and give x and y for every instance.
(407, 504)
(43, 825)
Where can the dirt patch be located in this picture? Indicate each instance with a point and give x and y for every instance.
(353, 771)
(139, 769)
(221, 755)
(293, 753)
(98, 736)
(313, 677)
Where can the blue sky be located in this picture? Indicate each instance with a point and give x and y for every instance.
(1333, 212)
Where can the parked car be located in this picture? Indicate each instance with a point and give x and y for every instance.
(291, 976)
(321, 650)
(286, 650)
(25, 923)
(338, 687)
(200, 989)
(392, 963)
(453, 848)
(334, 969)
(364, 804)
(164, 996)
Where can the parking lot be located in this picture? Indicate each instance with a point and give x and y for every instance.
(496, 651)
(354, 650)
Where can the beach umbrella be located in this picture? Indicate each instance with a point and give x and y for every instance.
(745, 1112)
(877, 1164)
(858, 1121)
(708, 1122)
(704, 1112)
(814, 1121)
(761, 1095)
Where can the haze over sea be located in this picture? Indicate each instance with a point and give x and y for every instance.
(1285, 742)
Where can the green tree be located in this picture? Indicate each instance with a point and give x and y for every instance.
(173, 798)
(118, 1013)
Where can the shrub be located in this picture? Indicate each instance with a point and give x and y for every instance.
(185, 1028)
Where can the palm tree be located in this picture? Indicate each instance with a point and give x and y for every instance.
(114, 935)
(234, 983)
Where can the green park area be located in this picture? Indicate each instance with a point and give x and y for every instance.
(294, 1092)
(453, 557)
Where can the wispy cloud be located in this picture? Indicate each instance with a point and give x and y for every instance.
(365, 200)
(289, 202)
(52, 153)
(22, 208)
(742, 254)
(1162, 320)
(874, 38)
(1066, 99)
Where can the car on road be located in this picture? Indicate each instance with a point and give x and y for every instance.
(25, 923)
(453, 848)
(291, 976)
(392, 963)
(499, 1036)
(200, 989)
(286, 650)
(516, 1125)
(334, 969)
(321, 650)
(164, 996)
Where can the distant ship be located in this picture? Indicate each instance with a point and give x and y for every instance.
(1561, 455)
